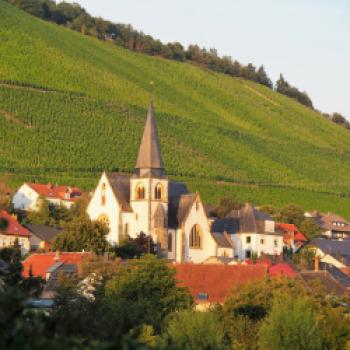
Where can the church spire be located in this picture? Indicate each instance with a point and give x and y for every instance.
(149, 160)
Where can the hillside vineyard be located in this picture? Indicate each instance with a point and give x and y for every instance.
(75, 107)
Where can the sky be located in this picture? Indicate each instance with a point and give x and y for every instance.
(306, 40)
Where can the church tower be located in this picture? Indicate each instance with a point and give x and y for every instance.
(149, 186)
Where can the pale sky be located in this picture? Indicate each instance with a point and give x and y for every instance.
(307, 40)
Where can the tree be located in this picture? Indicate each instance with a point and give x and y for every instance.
(135, 247)
(12, 256)
(291, 325)
(41, 216)
(292, 214)
(145, 292)
(193, 330)
(310, 228)
(226, 206)
(82, 234)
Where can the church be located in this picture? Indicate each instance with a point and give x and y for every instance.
(147, 201)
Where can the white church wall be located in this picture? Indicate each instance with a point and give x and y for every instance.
(111, 209)
(197, 216)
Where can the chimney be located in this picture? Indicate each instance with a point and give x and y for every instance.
(317, 262)
(57, 256)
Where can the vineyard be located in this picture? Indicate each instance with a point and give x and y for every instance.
(72, 106)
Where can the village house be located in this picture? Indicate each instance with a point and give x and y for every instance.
(11, 230)
(251, 232)
(41, 236)
(331, 251)
(292, 237)
(146, 201)
(28, 196)
(332, 225)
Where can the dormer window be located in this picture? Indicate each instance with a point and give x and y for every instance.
(140, 191)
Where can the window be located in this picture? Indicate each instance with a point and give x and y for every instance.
(126, 230)
(248, 239)
(275, 242)
(262, 241)
(103, 194)
(248, 254)
(103, 218)
(170, 242)
(158, 192)
(140, 191)
(196, 237)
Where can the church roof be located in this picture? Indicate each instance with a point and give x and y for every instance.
(150, 156)
(222, 240)
(120, 184)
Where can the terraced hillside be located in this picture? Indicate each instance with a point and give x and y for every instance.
(71, 105)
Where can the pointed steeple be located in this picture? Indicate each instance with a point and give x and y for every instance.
(149, 160)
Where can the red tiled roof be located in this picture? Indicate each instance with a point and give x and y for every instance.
(300, 237)
(281, 269)
(290, 228)
(39, 263)
(56, 192)
(216, 280)
(14, 228)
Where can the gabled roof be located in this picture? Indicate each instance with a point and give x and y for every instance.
(332, 247)
(216, 281)
(120, 184)
(245, 220)
(56, 192)
(12, 226)
(291, 231)
(45, 233)
(39, 264)
(325, 221)
(149, 159)
(179, 208)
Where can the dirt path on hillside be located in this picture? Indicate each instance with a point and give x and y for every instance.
(26, 88)
(261, 95)
(11, 118)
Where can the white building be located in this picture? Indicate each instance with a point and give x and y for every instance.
(252, 233)
(146, 201)
(28, 196)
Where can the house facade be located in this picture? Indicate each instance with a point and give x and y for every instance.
(332, 225)
(11, 230)
(28, 196)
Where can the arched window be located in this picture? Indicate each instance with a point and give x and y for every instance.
(160, 217)
(103, 194)
(103, 218)
(170, 242)
(140, 191)
(158, 191)
(196, 237)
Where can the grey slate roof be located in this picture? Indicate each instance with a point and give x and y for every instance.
(46, 233)
(245, 220)
(335, 248)
(121, 188)
(179, 208)
(149, 160)
(222, 240)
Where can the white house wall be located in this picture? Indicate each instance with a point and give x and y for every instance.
(256, 246)
(25, 198)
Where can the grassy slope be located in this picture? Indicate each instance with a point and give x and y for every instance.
(212, 126)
